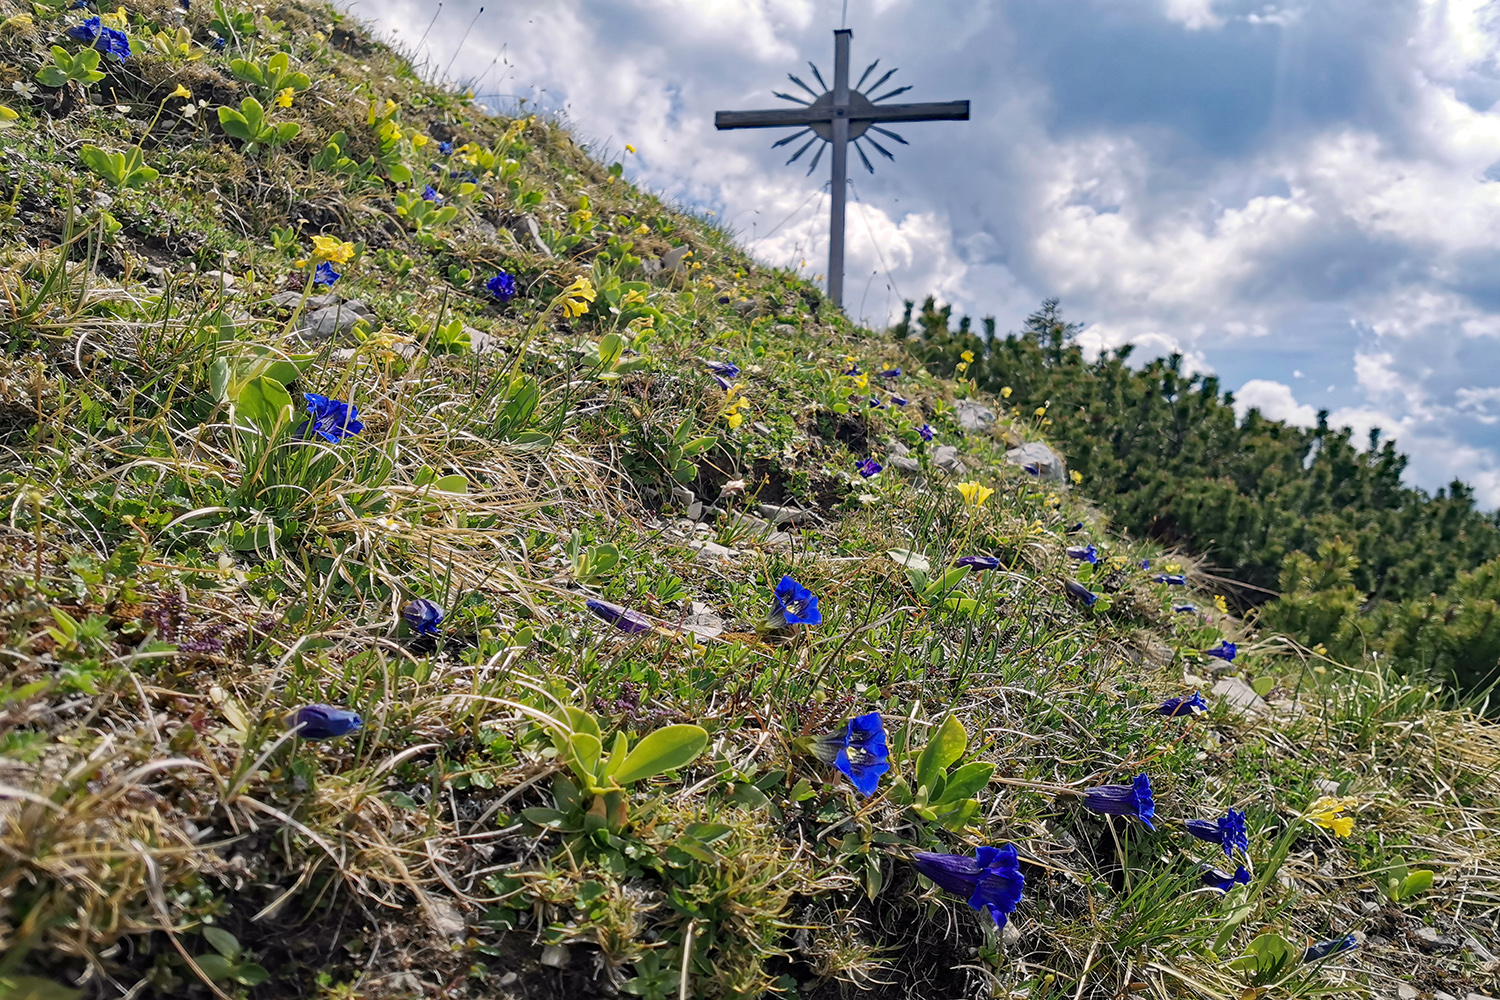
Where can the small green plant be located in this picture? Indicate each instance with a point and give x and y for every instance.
(938, 591)
(945, 797)
(272, 76)
(121, 170)
(81, 68)
(234, 25)
(228, 959)
(1401, 883)
(421, 213)
(1266, 959)
(249, 125)
(592, 564)
(607, 359)
(450, 338)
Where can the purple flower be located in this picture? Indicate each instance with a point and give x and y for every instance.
(1215, 879)
(869, 467)
(876, 404)
(621, 618)
(423, 616)
(86, 32)
(429, 193)
(724, 369)
(925, 431)
(978, 562)
(1145, 564)
(1228, 831)
(1175, 579)
(1133, 800)
(1088, 555)
(1075, 529)
(1225, 651)
(1032, 469)
(502, 286)
(891, 373)
(332, 419)
(899, 400)
(1079, 592)
(1185, 609)
(1191, 705)
(859, 750)
(795, 605)
(325, 275)
(446, 148)
(991, 880)
(110, 41)
(323, 722)
(219, 43)
(1326, 948)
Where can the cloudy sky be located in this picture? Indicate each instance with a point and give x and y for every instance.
(1303, 197)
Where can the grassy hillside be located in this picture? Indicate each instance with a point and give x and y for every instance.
(519, 488)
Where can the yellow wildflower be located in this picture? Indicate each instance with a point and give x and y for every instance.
(974, 495)
(1040, 411)
(576, 297)
(115, 20)
(968, 356)
(1005, 392)
(1320, 649)
(1325, 811)
(182, 92)
(633, 298)
(963, 366)
(1221, 604)
(330, 249)
(419, 140)
(284, 97)
(629, 148)
(1076, 476)
(861, 381)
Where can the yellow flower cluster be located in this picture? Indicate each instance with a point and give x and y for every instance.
(968, 359)
(734, 402)
(1325, 811)
(576, 297)
(1005, 392)
(329, 248)
(1221, 604)
(1076, 476)
(284, 97)
(974, 495)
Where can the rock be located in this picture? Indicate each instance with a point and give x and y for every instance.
(946, 458)
(1049, 465)
(784, 330)
(333, 321)
(555, 956)
(786, 515)
(695, 513)
(1407, 992)
(1239, 695)
(1440, 995)
(974, 416)
(896, 448)
(682, 496)
(711, 552)
(909, 466)
(1477, 996)
(102, 200)
(224, 281)
(1326, 786)
(481, 342)
(703, 620)
(673, 259)
(526, 227)
(1010, 933)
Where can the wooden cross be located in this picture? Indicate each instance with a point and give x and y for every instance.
(838, 116)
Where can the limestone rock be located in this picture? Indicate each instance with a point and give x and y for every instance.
(974, 416)
(711, 552)
(946, 458)
(786, 515)
(909, 466)
(1048, 464)
(1239, 695)
(333, 320)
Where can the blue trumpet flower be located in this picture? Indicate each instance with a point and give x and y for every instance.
(1079, 592)
(795, 605)
(899, 400)
(332, 419)
(430, 193)
(1175, 579)
(978, 562)
(1325, 948)
(423, 616)
(323, 722)
(724, 369)
(991, 880)
(1133, 800)
(621, 618)
(869, 467)
(859, 750)
(891, 373)
(1225, 651)
(502, 286)
(1215, 879)
(1191, 705)
(325, 275)
(1185, 609)
(926, 432)
(1082, 554)
(1228, 831)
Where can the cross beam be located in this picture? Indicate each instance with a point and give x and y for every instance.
(838, 116)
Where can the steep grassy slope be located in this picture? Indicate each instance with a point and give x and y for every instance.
(185, 561)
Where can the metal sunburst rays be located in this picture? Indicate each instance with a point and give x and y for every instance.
(859, 131)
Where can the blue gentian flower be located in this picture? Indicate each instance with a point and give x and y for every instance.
(795, 605)
(87, 32)
(1228, 831)
(991, 880)
(724, 369)
(113, 42)
(869, 467)
(186, 5)
(1133, 800)
(429, 193)
(1225, 651)
(325, 275)
(876, 404)
(900, 400)
(1079, 592)
(978, 562)
(1215, 879)
(423, 616)
(925, 431)
(1175, 579)
(323, 722)
(891, 373)
(721, 381)
(1032, 469)
(621, 618)
(219, 43)
(1088, 555)
(1186, 609)
(502, 286)
(79, 5)
(446, 148)
(1075, 529)
(1145, 564)
(1191, 705)
(853, 370)
(1325, 948)
(332, 419)
(858, 750)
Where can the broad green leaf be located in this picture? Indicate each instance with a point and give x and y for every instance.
(945, 583)
(221, 941)
(215, 967)
(584, 750)
(1418, 881)
(1263, 685)
(617, 752)
(667, 748)
(266, 403)
(109, 166)
(581, 721)
(545, 817)
(958, 814)
(610, 348)
(967, 780)
(286, 372)
(218, 379)
(451, 484)
(946, 747)
(1265, 956)
(250, 974)
(35, 988)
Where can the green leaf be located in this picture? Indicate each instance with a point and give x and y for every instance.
(109, 166)
(1417, 882)
(1265, 957)
(218, 379)
(250, 974)
(286, 372)
(1263, 685)
(550, 818)
(911, 560)
(221, 941)
(51, 76)
(945, 748)
(265, 403)
(583, 752)
(958, 815)
(581, 721)
(945, 583)
(35, 988)
(215, 967)
(617, 752)
(802, 790)
(610, 349)
(667, 748)
(451, 484)
(967, 781)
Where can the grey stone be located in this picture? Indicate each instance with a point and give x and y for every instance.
(786, 515)
(784, 330)
(1010, 933)
(901, 463)
(1048, 463)
(481, 342)
(556, 956)
(1406, 991)
(695, 512)
(1326, 786)
(1427, 935)
(974, 416)
(526, 227)
(1440, 995)
(1478, 996)
(946, 458)
(682, 496)
(702, 620)
(673, 259)
(333, 321)
(897, 448)
(224, 281)
(1238, 695)
(103, 200)
(711, 552)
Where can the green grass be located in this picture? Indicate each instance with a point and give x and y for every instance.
(179, 569)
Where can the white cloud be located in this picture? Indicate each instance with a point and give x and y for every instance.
(1192, 14)
(1275, 401)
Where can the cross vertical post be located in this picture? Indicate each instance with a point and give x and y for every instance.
(840, 164)
(841, 116)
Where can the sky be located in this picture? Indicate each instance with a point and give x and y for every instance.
(1301, 197)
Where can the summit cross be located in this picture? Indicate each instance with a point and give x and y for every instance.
(839, 116)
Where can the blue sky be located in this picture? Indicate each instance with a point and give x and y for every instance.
(1303, 197)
